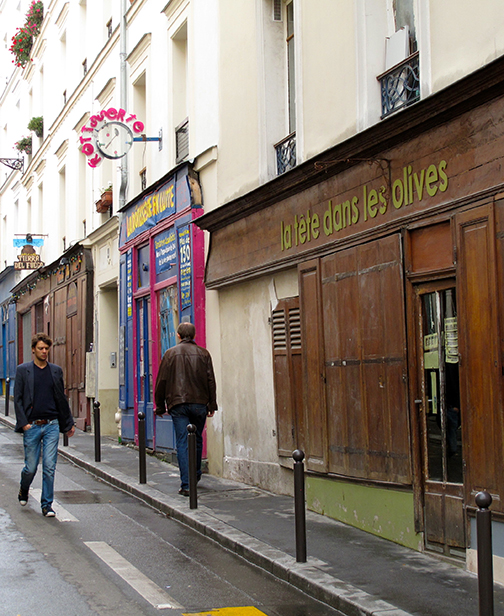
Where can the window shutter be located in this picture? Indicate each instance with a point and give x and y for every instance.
(286, 331)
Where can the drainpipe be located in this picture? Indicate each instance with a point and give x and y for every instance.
(123, 92)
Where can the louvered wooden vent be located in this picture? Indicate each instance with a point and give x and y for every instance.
(277, 10)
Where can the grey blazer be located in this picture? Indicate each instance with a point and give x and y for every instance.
(23, 396)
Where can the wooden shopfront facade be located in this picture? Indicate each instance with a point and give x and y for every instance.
(388, 362)
(58, 300)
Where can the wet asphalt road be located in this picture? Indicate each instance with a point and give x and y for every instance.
(107, 553)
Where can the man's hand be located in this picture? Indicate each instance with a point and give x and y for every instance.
(210, 413)
(27, 427)
(160, 412)
(71, 432)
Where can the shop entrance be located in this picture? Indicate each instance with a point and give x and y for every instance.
(168, 323)
(144, 363)
(440, 417)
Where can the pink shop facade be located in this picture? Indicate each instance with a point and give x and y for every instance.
(161, 284)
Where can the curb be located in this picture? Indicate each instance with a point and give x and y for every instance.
(308, 577)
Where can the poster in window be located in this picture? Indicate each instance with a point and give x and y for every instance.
(185, 256)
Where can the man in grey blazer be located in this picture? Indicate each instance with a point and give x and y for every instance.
(42, 412)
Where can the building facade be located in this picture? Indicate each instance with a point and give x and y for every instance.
(343, 160)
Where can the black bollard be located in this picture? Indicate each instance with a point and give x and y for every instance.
(65, 439)
(193, 479)
(142, 458)
(299, 505)
(7, 396)
(485, 556)
(97, 435)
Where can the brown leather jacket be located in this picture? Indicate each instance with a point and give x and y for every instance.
(185, 376)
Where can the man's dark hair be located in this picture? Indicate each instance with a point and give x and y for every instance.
(186, 331)
(41, 337)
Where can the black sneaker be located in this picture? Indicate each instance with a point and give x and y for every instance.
(48, 512)
(22, 497)
(183, 492)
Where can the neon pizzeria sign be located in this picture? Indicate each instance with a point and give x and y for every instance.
(109, 134)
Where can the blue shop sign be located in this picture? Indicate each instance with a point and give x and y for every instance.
(145, 213)
(165, 250)
(185, 255)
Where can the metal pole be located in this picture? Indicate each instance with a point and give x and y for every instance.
(97, 436)
(7, 396)
(193, 480)
(142, 459)
(485, 557)
(299, 505)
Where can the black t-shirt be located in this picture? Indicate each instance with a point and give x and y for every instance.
(44, 401)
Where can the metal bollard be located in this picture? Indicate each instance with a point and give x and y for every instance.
(193, 480)
(485, 556)
(65, 439)
(97, 436)
(299, 505)
(142, 457)
(7, 396)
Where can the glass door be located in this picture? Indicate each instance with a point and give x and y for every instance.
(441, 417)
(144, 363)
(168, 323)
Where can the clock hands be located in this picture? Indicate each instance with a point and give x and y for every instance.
(116, 131)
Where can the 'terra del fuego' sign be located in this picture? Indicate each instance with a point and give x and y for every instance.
(109, 134)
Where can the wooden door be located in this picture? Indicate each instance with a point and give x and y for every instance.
(481, 367)
(314, 407)
(440, 415)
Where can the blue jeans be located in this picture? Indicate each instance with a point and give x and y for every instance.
(183, 415)
(37, 438)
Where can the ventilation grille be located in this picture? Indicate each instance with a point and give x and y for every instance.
(277, 10)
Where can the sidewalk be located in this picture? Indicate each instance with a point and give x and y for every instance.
(349, 569)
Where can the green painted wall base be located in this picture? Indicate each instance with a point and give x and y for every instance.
(383, 512)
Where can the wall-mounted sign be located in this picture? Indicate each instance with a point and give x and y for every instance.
(185, 255)
(28, 259)
(165, 249)
(109, 135)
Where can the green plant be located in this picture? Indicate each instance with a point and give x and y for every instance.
(35, 17)
(22, 41)
(36, 124)
(24, 145)
(21, 46)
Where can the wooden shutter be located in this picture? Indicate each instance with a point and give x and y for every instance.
(314, 406)
(365, 361)
(479, 353)
(286, 326)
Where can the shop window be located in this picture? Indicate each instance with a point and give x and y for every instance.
(143, 266)
(287, 348)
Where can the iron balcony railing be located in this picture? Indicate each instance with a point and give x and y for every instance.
(286, 154)
(400, 85)
(182, 141)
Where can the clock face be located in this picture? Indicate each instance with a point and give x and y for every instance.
(114, 140)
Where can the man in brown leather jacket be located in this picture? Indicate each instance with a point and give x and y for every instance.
(185, 387)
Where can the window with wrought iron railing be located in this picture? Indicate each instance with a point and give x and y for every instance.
(400, 85)
(286, 154)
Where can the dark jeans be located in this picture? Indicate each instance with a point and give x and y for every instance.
(183, 415)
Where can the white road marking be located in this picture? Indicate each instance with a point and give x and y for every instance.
(135, 578)
(61, 513)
